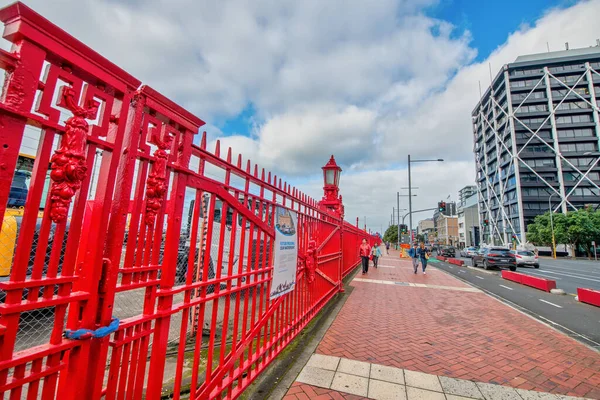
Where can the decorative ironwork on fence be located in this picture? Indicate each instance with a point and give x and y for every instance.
(115, 222)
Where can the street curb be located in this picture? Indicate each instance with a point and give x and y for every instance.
(544, 321)
(277, 379)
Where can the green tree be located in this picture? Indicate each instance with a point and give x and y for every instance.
(581, 229)
(391, 234)
(420, 238)
(577, 229)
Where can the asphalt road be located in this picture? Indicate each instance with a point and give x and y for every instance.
(568, 274)
(578, 320)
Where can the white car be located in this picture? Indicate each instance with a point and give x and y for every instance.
(526, 258)
(468, 252)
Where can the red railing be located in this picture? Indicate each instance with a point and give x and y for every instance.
(109, 209)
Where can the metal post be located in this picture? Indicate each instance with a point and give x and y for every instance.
(398, 213)
(409, 200)
(552, 225)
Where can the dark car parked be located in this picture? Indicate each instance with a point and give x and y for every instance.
(447, 251)
(495, 257)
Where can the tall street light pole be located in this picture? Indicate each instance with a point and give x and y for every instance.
(398, 226)
(410, 191)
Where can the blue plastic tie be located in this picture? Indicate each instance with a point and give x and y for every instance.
(89, 334)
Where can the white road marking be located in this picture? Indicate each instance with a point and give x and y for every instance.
(569, 270)
(543, 275)
(479, 277)
(506, 287)
(572, 276)
(552, 304)
(419, 285)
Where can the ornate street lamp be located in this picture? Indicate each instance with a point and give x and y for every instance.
(331, 187)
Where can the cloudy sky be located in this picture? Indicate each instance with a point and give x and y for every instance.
(288, 83)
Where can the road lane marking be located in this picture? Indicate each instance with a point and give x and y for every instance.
(506, 287)
(570, 270)
(552, 304)
(479, 277)
(543, 275)
(572, 276)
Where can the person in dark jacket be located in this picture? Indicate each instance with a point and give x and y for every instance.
(423, 254)
(365, 253)
(413, 254)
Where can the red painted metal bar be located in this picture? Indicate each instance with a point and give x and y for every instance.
(140, 231)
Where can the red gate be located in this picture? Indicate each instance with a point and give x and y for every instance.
(114, 221)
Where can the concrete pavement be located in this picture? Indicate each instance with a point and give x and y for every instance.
(437, 325)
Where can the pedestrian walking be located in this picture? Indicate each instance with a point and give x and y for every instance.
(387, 248)
(414, 255)
(376, 253)
(365, 252)
(423, 254)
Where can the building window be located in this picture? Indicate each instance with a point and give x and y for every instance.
(536, 192)
(530, 121)
(579, 161)
(526, 135)
(541, 163)
(573, 119)
(577, 147)
(537, 148)
(532, 108)
(563, 92)
(522, 96)
(584, 191)
(570, 78)
(531, 177)
(573, 105)
(562, 68)
(571, 133)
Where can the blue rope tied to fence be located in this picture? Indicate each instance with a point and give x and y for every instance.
(88, 333)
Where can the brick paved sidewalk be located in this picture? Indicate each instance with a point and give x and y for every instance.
(429, 327)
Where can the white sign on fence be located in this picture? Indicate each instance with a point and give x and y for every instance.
(286, 252)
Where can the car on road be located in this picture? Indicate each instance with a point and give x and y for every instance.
(526, 258)
(447, 251)
(468, 252)
(495, 257)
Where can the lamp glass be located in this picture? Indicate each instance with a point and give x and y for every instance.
(329, 177)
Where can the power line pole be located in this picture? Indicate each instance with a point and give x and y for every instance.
(409, 201)
(398, 204)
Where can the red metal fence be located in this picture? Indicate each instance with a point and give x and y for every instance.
(109, 210)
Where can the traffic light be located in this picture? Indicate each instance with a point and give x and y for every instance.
(442, 206)
(403, 229)
(486, 222)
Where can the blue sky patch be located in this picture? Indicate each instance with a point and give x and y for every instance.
(490, 22)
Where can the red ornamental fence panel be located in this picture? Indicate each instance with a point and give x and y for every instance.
(114, 221)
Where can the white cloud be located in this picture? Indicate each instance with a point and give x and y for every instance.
(367, 81)
(373, 193)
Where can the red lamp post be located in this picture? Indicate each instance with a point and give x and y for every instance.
(331, 188)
